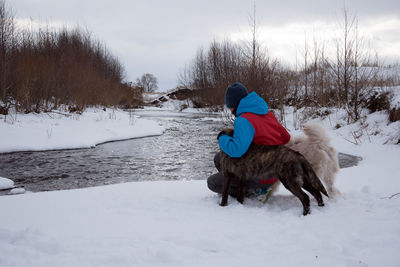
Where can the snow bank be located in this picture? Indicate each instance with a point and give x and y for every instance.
(181, 224)
(149, 97)
(17, 191)
(47, 131)
(6, 183)
(371, 128)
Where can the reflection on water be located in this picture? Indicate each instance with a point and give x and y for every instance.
(184, 151)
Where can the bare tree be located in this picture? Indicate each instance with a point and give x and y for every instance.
(305, 68)
(185, 78)
(342, 68)
(256, 60)
(7, 42)
(148, 82)
(342, 80)
(352, 69)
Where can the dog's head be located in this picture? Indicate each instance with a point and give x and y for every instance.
(228, 131)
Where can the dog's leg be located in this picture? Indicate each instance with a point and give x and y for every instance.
(317, 195)
(226, 181)
(296, 190)
(242, 189)
(305, 200)
(329, 180)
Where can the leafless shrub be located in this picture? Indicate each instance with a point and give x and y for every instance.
(42, 69)
(344, 80)
(132, 118)
(377, 100)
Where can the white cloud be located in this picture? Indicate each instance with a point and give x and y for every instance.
(160, 37)
(287, 41)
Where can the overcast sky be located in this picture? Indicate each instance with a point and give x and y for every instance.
(160, 37)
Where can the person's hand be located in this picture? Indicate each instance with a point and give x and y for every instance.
(226, 132)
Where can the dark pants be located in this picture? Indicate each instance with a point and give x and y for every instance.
(254, 187)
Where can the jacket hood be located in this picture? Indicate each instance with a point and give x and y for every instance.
(252, 103)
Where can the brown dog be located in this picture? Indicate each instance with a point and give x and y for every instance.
(289, 166)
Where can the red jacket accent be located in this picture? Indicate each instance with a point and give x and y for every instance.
(267, 181)
(268, 130)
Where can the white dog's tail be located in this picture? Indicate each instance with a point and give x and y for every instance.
(316, 133)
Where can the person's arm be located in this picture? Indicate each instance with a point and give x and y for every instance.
(243, 135)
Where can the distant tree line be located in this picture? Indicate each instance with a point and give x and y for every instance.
(147, 82)
(42, 69)
(342, 80)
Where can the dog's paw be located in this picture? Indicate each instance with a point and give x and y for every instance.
(334, 192)
(223, 204)
(306, 211)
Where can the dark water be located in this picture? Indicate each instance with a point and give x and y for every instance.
(184, 151)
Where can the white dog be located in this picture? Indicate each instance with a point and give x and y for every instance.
(316, 148)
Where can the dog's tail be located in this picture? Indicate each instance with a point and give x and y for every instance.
(316, 133)
(311, 177)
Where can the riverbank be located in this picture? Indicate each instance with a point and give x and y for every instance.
(179, 223)
(63, 130)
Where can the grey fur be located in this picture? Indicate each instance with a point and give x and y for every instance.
(290, 167)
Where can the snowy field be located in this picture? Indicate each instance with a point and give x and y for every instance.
(59, 130)
(181, 224)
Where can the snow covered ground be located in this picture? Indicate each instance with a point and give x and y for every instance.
(180, 223)
(6, 183)
(47, 131)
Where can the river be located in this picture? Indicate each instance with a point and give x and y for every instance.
(184, 152)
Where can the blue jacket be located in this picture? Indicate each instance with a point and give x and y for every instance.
(244, 132)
